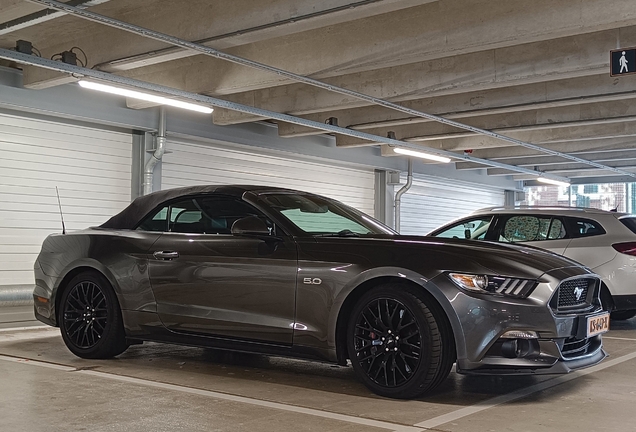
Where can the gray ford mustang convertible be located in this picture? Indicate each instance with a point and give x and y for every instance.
(283, 272)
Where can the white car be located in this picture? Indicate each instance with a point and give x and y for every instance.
(601, 240)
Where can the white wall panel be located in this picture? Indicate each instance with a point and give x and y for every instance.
(91, 168)
(432, 202)
(193, 163)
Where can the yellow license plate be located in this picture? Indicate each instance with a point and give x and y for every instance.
(597, 324)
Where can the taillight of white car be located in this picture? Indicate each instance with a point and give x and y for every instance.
(628, 248)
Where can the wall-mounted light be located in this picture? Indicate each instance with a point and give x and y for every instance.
(552, 181)
(144, 96)
(419, 154)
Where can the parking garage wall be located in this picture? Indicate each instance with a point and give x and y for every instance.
(191, 163)
(431, 203)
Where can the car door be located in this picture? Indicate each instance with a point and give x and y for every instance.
(586, 247)
(543, 231)
(210, 282)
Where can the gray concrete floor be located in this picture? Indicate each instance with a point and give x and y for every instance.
(43, 387)
(17, 316)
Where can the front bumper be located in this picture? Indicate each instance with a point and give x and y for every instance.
(561, 345)
(548, 360)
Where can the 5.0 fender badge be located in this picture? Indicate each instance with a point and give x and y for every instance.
(312, 281)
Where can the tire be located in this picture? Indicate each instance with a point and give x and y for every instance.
(400, 346)
(90, 318)
(623, 315)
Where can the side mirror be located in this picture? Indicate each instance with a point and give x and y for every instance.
(250, 226)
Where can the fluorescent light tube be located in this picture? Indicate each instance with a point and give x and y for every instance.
(414, 153)
(145, 96)
(552, 182)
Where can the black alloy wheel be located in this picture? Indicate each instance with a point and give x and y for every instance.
(388, 342)
(399, 341)
(85, 314)
(90, 318)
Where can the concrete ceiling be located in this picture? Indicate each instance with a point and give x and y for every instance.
(536, 71)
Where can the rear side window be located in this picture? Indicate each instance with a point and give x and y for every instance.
(203, 215)
(180, 216)
(630, 223)
(527, 228)
(586, 228)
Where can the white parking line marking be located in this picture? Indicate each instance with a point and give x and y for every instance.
(223, 396)
(618, 338)
(37, 363)
(13, 329)
(22, 336)
(521, 393)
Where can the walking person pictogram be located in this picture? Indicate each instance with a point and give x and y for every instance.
(623, 63)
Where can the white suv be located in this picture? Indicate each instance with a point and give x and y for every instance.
(603, 241)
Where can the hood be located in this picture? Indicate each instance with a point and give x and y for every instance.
(428, 255)
(497, 258)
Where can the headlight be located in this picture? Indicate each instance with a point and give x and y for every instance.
(498, 285)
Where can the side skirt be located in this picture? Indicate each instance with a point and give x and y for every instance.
(146, 326)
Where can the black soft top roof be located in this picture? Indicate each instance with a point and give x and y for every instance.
(129, 217)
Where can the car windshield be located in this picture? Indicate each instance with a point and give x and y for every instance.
(321, 216)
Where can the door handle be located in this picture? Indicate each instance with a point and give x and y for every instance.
(166, 255)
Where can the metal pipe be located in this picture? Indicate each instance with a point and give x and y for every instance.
(145, 32)
(81, 72)
(402, 191)
(16, 295)
(160, 149)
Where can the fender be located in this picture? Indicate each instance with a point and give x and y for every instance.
(404, 274)
(135, 281)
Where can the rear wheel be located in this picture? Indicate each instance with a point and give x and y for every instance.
(398, 347)
(623, 314)
(90, 318)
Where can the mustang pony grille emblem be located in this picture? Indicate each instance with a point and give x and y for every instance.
(578, 292)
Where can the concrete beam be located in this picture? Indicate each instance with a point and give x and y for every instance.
(28, 19)
(585, 175)
(14, 9)
(566, 146)
(588, 180)
(524, 121)
(544, 95)
(574, 134)
(587, 55)
(607, 158)
(39, 78)
(567, 169)
(604, 179)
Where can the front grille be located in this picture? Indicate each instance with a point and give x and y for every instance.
(575, 294)
(574, 347)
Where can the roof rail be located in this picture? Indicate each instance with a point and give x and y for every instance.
(531, 207)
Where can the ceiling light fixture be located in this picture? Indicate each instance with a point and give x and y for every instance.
(414, 153)
(552, 181)
(145, 96)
